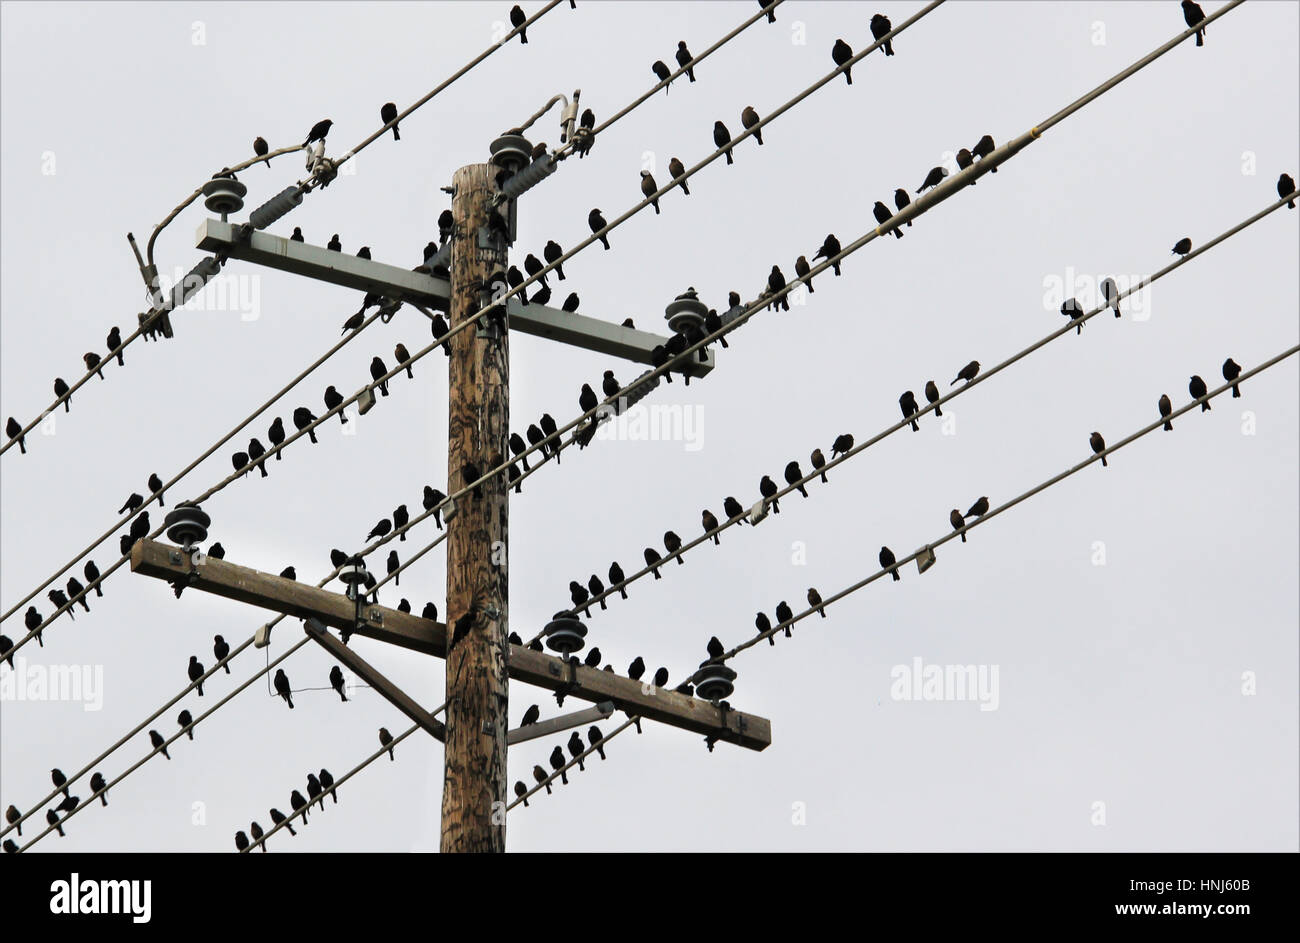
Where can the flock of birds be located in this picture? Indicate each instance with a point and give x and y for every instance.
(577, 748)
(317, 786)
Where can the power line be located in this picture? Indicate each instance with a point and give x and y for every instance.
(592, 748)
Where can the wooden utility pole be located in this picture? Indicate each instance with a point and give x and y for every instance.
(474, 784)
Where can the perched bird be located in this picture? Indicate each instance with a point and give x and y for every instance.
(793, 475)
(276, 435)
(76, 591)
(1198, 389)
(261, 149)
(661, 677)
(907, 403)
(764, 625)
(517, 20)
(684, 58)
(1193, 14)
(617, 579)
(880, 28)
(530, 716)
(557, 764)
(1183, 246)
(334, 243)
(933, 178)
(983, 148)
(957, 521)
(1073, 310)
(432, 499)
(887, 562)
(132, 503)
(651, 559)
(577, 748)
(196, 671)
(114, 341)
(364, 251)
(99, 785)
(749, 118)
(570, 303)
(715, 648)
(159, 743)
(1166, 408)
(801, 269)
(1286, 188)
(534, 267)
(59, 599)
(768, 489)
(818, 463)
(355, 321)
(255, 452)
(595, 738)
(33, 619)
(282, 687)
(901, 200)
(1098, 445)
(429, 612)
(722, 138)
(967, 372)
(388, 114)
(579, 595)
(334, 398)
(13, 817)
(522, 791)
(1230, 372)
(302, 418)
(815, 601)
(662, 72)
(217, 552)
(830, 248)
(964, 160)
(731, 507)
(539, 774)
(377, 371)
(185, 721)
(92, 363)
(979, 508)
(53, 818)
(297, 235)
(596, 223)
(775, 283)
(394, 565)
(59, 389)
(587, 398)
(314, 792)
(710, 523)
(277, 817)
(551, 252)
(596, 587)
(1110, 292)
(240, 461)
(673, 543)
(634, 671)
(299, 804)
(318, 131)
(516, 280)
(220, 650)
(648, 188)
(784, 614)
(13, 428)
(678, 170)
(6, 649)
(842, 444)
(403, 358)
(385, 739)
(336, 682)
(401, 517)
(932, 395)
(841, 53)
(518, 448)
(404, 605)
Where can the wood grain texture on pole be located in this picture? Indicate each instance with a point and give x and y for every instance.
(474, 782)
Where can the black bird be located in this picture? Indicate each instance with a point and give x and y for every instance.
(964, 160)
(715, 648)
(470, 472)
(463, 625)
(33, 619)
(240, 460)
(217, 552)
(159, 742)
(882, 214)
(334, 398)
(932, 395)
(596, 587)
(616, 578)
(114, 342)
(57, 597)
(1110, 292)
(983, 148)
(596, 222)
(587, 398)
(801, 269)
(53, 818)
(957, 521)
(815, 600)
(576, 748)
(255, 452)
(1198, 389)
(334, 243)
(902, 200)
(533, 266)
(98, 784)
(731, 507)
(394, 565)
(907, 403)
(336, 682)
(841, 53)
(401, 517)
(661, 71)
(1098, 445)
(75, 590)
(255, 831)
(570, 303)
(880, 27)
(967, 372)
(133, 502)
(1073, 310)
(277, 817)
(1193, 14)
(6, 648)
(314, 790)
(318, 131)
(634, 671)
(381, 529)
(673, 543)
(386, 738)
(354, 322)
(302, 418)
(517, 20)
(60, 781)
(530, 716)
(1230, 372)
(429, 612)
(722, 138)
(661, 677)
(579, 596)
(92, 363)
(299, 804)
(140, 526)
(792, 475)
(1183, 246)
(539, 774)
(261, 149)
(648, 189)
(887, 562)
(518, 448)
(196, 671)
(678, 170)
(68, 804)
(535, 438)
(651, 559)
(59, 389)
(12, 428)
(1166, 407)
(326, 783)
(282, 687)
(784, 614)
(830, 248)
(403, 358)
(516, 278)
(220, 649)
(818, 462)
(551, 252)
(377, 370)
(764, 625)
(387, 114)
(184, 720)
(933, 178)
(276, 435)
(432, 498)
(1286, 188)
(364, 251)
(596, 738)
(684, 58)
(979, 508)
(749, 118)
(297, 235)
(404, 605)
(155, 487)
(521, 790)
(557, 764)
(710, 523)
(12, 816)
(768, 489)
(771, 18)
(776, 282)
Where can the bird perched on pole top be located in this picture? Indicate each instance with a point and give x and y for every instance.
(318, 131)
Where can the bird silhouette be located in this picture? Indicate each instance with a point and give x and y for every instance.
(539, 774)
(318, 131)
(195, 671)
(793, 474)
(815, 601)
(282, 687)
(277, 817)
(842, 444)
(907, 403)
(60, 781)
(1183, 246)
(381, 529)
(764, 625)
(577, 748)
(60, 388)
(388, 114)
(557, 764)
(634, 670)
(933, 178)
(710, 523)
(1110, 292)
(932, 396)
(100, 786)
(979, 508)
(1098, 445)
(52, 817)
(887, 562)
(1230, 373)
(648, 189)
(722, 138)
(617, 579)
(1194, 15)
(596, 223)
(768, 489)
(336, 682)
(662, 72)
(13, 429)
(841, 53)
(1166, 407)
(385, 739)
(1074, 311)
(1198, 389)
(299, 804)
(1286, 188)
(159, 743)
(983, 148)
(255, 453)
(185, 721)
(882, 214)
(684, 59)
(749, 118)
(334, 398)
(595, 738)
(76, 591)
(830, 248)
(673, 543)
(957, 521)
(880, 28)
(377, 371)
(517, 20)
(784, 614)
(967, 372)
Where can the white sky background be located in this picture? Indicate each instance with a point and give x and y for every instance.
(1119, 683)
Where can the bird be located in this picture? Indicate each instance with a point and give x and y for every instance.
(364, 253)
(775, 283)
(815, 601)
(967, 372)
(715, 648)
(530, 716)
(299, 804)
(768, 489)
(731, 507)
(634, 670)
(764, 625)
(33, 619)
(196, 671)
(570, 303)
(377, 371)
(1110, 292)
(388, 114)
(648, 188)
(933, 178)
(979, 508)
(261, 149)
(983, 148)
(355, 321)
(134, 501)
(59, 389)
(722, 138)
(842, 444)
(710, 523)
(1193, 14)
(901, 200)
(880, 27)
(662, 72)
(587, 398)
(534, 267)
(276, 435)
(217, 552)
(784, 614)
(92, 363)
(516, 280)
(1183, 246)
(794, 476)
(957, 521)
(749, 118)
(616, 578)
(13, 429)
(220, 649)
(830, 248)
(522, 791)
(429, 612)
(596, 222)
(1286, 188)
(1074, 311)
(334, 243)
(907, 403)
(577, 748)
(314, 792)
(277, 817)
(1198, 389)
(60, 781)
(517, 20)
(403, 358)
(114, 341)
(385, 740)
(596, 588)
(318, 131)
(14, 817)
(256, 832)
(404, 605)
(240, 461)
(539, 774)
(394, 566)
(684, 58)
(661, 677)
(841, 53)
(551, 252)
(964, 160)
(255, 452)
(432, 498)
(76, 591)
(53, 818)
(6, 649)
(401, 517)
(579, 595)
(302, 418)
(336, 682)
(518, 448)
(801, 269)
(159, 743)
(469, 471)
(185, 721)
(557, 764)
(596, 738)
(334, 398)
(282, 687)
(98, 785)
(673, 543)
(651, 559)
(932, 395)
(1166, 407)
(1230, 373)
(887, 562)
(59, 599)
(1098, 446)
(678, 171)
(609, 385)
(297, 235)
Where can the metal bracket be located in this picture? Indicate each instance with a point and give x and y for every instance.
(758, 512)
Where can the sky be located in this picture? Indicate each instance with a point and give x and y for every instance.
(1135, 625)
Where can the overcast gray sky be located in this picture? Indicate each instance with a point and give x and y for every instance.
(1145, 703)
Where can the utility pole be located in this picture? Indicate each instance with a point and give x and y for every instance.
(474, 785)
